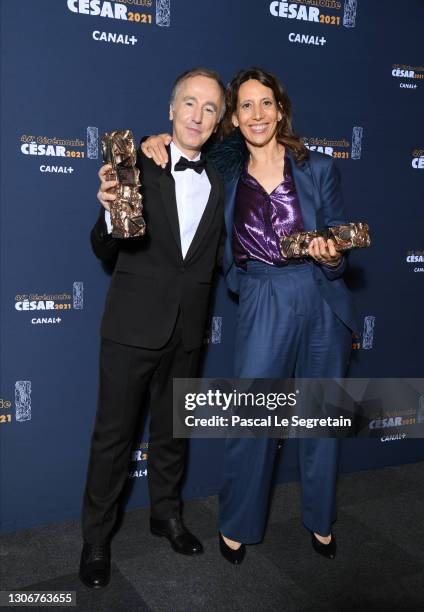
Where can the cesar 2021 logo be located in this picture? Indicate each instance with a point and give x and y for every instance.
(51, 304)
(66, 149)
(22, 411)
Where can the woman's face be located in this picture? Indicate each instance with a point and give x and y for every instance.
(256, 113)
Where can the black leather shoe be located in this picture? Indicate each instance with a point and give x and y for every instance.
(182, 541)
(326, 550)
(94, 569)
(233, 556)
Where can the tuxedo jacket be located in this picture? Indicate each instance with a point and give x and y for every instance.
(320, 198)
(151, 280)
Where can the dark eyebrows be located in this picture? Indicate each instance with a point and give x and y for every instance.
(262, 100)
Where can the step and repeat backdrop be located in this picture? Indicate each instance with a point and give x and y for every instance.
(73, 69)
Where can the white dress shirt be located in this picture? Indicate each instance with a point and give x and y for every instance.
(192, 193)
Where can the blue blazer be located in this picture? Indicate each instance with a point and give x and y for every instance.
(318, 187)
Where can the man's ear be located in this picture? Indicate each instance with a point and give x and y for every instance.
(234, 120)
(171, 113)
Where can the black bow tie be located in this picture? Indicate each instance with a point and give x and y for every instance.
(184, 163)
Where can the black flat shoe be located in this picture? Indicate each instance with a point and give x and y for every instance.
(233, 556)
(182, 541)
(94, 569)
(326, 550)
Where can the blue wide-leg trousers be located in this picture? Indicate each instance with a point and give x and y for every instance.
(284, 329)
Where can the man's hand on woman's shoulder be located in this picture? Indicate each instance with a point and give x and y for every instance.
(154, 148)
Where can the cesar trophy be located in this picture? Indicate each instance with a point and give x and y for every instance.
(345, 237)
(118, 149)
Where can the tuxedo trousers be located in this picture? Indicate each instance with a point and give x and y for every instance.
(284, 329)
(127, 375)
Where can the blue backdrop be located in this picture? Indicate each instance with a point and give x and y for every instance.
(73, 69)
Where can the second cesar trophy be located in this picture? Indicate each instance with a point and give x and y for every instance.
(345, 237)
(119, 151)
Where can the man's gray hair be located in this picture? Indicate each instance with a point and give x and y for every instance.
(200, 71)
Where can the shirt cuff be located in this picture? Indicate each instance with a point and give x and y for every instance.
(330, 267)
(108, 222)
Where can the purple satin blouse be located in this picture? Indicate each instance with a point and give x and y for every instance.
(261, 219)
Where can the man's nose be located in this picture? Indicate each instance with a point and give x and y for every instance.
(197, 115)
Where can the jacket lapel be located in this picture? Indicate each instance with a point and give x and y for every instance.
(306, 191)
(208, 213)
(167, 190)
(230, 202)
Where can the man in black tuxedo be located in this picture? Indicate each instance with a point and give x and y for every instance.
(154, 322)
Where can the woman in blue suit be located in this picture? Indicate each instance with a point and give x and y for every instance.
(295, 318)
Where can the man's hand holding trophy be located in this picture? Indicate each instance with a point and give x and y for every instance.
(121, 175)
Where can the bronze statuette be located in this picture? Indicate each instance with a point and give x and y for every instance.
(118, 149)
(345, 237)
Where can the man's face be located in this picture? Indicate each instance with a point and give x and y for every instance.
(195, 113)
